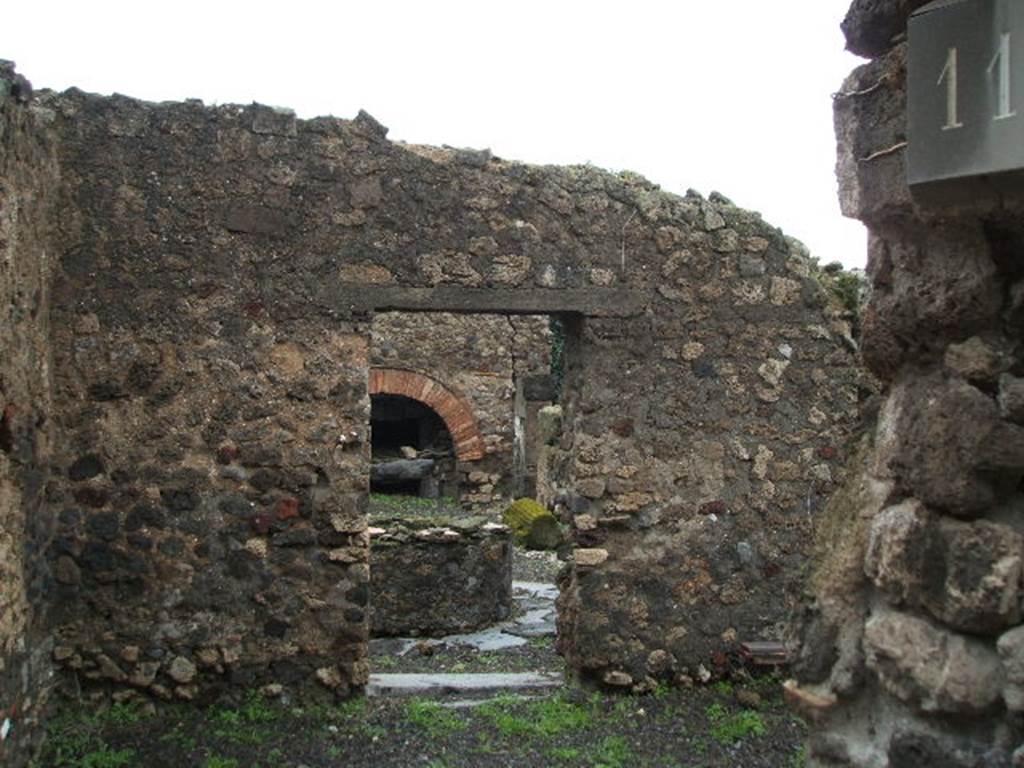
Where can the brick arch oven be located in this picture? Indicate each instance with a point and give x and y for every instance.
(452, 407)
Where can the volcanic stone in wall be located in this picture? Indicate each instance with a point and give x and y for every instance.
(30, 189)
(213, 363)
(910, 654)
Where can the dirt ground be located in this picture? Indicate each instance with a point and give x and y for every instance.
(740, 722)
(718, 726)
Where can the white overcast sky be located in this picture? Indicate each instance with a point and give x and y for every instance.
(726, 95)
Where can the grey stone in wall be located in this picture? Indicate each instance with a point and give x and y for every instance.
(935, 670)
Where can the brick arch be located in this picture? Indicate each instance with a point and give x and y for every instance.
(450, 406)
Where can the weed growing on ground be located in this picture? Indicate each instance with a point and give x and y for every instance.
(432, 717)
(121, 714)
(543, 718)
(572, 729)
(565, 753)
(384, 504)
(338, 713)
(612, 752)
(75, 738)
(767, 685)
(105, 757)
(622, 712)
(728, 728)
(661, 691)
(723, 688)
(541, 643)
(242, 725)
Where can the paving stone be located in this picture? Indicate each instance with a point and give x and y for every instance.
(444, 684)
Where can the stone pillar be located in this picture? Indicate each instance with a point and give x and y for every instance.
(29, 192)
(912, 652)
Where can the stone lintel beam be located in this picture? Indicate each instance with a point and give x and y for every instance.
(592, 302)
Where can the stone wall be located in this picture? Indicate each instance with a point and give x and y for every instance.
(480, 357)
(219, 270)
(437, 577)
(912, 649)
(29, 192)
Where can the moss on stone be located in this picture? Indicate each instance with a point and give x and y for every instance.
(841, 537)
(532, 524)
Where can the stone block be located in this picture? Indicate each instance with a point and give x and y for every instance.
(275, 121)
(932, 284)
(589, 558)
(872, 26)
(975, 360)
(931, 669)
(182, 670)
(549, 424)
(1011, 652)
(911, 748)
(256, 219)
(539, 387)
(870, 128)
(752, 265)
(982, 566)
(967, 575)
(1011, 398)
(951, 443)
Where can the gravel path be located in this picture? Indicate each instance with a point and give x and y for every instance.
(539, 566)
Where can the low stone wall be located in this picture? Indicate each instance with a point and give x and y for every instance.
(436, 577)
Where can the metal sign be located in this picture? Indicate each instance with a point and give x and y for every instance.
(965, 90)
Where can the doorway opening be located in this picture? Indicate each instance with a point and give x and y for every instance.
(488, 399)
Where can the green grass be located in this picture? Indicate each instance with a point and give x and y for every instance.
(723, 688)
(387, 504)
(623, 711)
(104, 757)
(75, 737)
(544, 718)
(564, 754)
(769, 685)
(573, 729)
(432, 717)
(612, 752)
(661, 691)
(244, 725)
(728, 727)
(121, 714)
